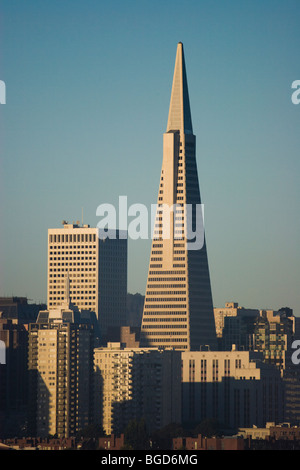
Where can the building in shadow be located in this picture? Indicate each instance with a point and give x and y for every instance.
(135, 383)
(60, 367)
(236, 388)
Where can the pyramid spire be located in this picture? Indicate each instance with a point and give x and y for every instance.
(179, 111)
(178, 308)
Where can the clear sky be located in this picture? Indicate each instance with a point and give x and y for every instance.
(88, 85)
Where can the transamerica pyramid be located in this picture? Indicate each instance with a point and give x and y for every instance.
(178, 308)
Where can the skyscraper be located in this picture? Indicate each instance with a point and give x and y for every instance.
(178, 309)
(97, 269)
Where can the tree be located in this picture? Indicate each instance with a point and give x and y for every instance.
(136, 436)
(91, 431)
(208, 427)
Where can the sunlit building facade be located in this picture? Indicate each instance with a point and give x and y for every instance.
(178, 309)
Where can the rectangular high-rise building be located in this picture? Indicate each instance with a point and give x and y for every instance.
(60, 367)
(178, 309)
(97, 270)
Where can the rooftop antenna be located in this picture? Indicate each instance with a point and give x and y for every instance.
(82, 216)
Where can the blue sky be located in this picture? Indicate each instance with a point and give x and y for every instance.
(88, 85)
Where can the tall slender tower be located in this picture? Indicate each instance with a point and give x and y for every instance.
(178, 308)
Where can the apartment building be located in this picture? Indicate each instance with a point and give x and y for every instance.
(131, 383)
(60, 367)
(235, 325)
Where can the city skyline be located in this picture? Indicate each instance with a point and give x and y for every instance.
(82, 124)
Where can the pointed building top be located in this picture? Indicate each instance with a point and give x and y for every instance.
(179, 112)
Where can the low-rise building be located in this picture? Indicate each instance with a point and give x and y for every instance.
(111, 442)
(234, 387)
(208, 443)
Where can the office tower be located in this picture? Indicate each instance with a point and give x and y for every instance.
(97, 269)
(236, 388)
(135, 383)
(178, 310)
(60, 365)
